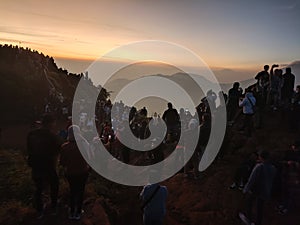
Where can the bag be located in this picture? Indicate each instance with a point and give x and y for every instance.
(150, 198)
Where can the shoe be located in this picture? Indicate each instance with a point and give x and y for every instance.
(72, 216)
(42, 212)
(244, 219)
(230, 123)
(283, 212)
(233, 186)
(196, 177)
(279, 207)
(77, 216)
(40, 215)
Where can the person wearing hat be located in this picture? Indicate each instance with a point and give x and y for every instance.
(75, 169)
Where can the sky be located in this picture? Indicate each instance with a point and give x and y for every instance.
(225, 34)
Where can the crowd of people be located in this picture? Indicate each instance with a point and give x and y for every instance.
(273, 91)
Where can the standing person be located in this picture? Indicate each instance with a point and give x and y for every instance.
(154, 198)
(287, 90)
(263, 82)
(189, 136)
(258, 188)
(248, 104)
(205, 129)
(259, 105)
(76, 170)
(233, 101)
(43, 150)
(172, 120)
(275, 87)
(295, 111)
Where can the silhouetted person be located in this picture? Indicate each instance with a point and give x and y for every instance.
(288, 87)
(233, 101)
(244, 170)
(43, 149)
(263, 83)
(172, 120)
(201, 110)
(76, 170)
(275, 87)
(211, 98)
(183, 118)
(144, 112)
(132, 113)
(295, 111)
(190, 135)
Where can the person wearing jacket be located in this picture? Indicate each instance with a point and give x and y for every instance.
(259, 187)
(248, 104)
(154, 197)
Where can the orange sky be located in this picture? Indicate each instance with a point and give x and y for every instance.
(225, 35)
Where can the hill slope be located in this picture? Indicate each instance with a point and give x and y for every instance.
(29, 80)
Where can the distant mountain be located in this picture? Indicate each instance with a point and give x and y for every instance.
(29, 80)
(187, 83)
(230, 75)
(182, 79)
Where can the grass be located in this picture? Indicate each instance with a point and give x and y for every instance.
(16, 187)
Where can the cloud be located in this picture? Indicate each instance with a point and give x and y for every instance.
(17, 41)
(25, 32)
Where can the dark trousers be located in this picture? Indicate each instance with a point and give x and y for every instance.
(242, 174)
(248, 124)
(77, 185)
(250, 200)
(152, 221)
(41, 180)
(231, 111)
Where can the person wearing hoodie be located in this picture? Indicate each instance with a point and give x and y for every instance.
(248, 104)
